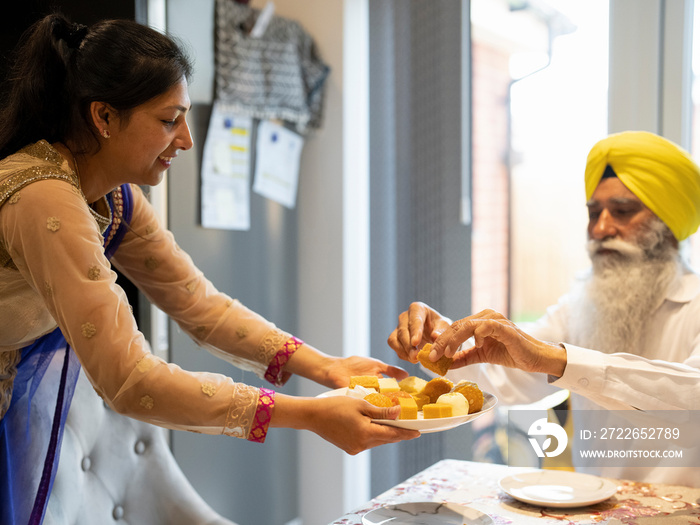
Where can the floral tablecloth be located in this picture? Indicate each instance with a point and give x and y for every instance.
(476, 485)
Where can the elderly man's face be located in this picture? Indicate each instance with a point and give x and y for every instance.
(615, 212)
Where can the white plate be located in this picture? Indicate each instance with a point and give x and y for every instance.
(558, 488)
(426, 426)
(425, 513)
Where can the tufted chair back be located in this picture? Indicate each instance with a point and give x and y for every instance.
(114, 469)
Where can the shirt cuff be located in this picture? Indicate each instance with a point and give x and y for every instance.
(275, 373)
(263, 414)
(584, 371)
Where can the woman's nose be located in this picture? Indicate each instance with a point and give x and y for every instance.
(185, 138)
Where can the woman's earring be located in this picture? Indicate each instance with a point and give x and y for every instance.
(105, 133)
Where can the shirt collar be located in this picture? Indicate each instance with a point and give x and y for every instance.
(684, 288)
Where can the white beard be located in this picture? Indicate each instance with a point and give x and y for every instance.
(614, 303)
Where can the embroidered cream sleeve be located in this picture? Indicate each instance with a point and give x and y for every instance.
(56, 246)
(150, 258)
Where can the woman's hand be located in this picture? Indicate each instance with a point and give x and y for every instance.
(335, 372)
(340, 370)
(344, 421)
(418, 325)
(499, 341)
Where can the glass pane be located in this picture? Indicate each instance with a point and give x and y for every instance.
(540, 102)
(694, 245)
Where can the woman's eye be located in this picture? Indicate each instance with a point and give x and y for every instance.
(168, 122)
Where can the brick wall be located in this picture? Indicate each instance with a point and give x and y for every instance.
(490, 185)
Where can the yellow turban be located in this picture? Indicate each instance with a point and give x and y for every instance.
(660, 173)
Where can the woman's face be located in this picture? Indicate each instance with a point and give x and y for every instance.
(146, 144)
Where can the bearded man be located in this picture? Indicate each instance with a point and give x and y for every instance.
(627, 337)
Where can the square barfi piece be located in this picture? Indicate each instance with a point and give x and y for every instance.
(409, 409)
(365, 381)
(388, 384)
(412, 384)
(436, 410)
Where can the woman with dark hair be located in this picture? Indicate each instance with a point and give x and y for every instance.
(88, 115)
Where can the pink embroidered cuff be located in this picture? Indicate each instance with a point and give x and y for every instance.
(275, 373)
(263, 414)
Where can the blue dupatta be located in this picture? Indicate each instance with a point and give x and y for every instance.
(31, 431)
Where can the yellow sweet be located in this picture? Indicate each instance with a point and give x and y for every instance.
(379, 400)
(412, 384)
(440, 367)
(388, 384)
(409, 409)
(365, 381)
(472, 393)
(421, 400)
(436, 410)
(436, 387)
(394, 395)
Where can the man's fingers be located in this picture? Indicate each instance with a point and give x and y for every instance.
(460, 331)
(451, 339)
(465, 358)
(417, 315)
(438, 329)
(400, 342)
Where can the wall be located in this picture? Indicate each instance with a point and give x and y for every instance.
(491, 183)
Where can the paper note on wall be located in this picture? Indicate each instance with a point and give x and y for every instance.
(225, 193)
(278, 152)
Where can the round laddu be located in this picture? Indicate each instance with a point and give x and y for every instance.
(436, 387)
(472, 392)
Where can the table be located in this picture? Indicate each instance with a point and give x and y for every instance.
(476, 485)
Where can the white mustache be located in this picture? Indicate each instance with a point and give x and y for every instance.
(625, 248)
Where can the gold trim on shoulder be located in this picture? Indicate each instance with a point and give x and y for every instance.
(19, 180)
(41, 150)
(51, 168)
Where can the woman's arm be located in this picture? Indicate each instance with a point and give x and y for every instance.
(55, 243)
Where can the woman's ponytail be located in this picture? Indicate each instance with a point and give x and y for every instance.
(71, 34)
(37, 95)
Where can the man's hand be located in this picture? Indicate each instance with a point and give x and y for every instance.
(499, 341)
(418, 325)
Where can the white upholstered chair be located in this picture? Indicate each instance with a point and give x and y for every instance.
(114, 469)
